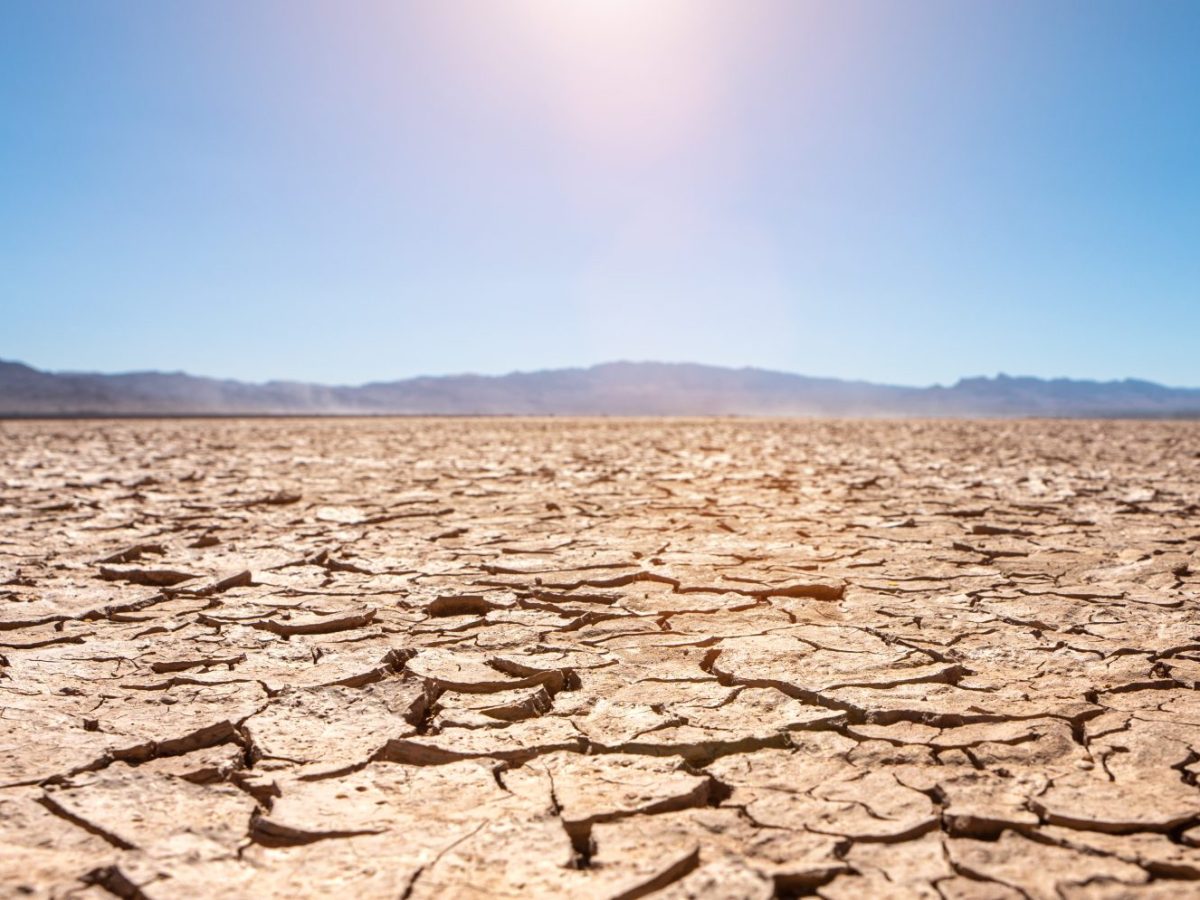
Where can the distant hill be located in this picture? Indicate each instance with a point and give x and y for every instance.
(610, 389)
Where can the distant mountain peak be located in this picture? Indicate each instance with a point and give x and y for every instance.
(615, 388)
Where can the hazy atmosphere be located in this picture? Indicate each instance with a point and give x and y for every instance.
(904, 193)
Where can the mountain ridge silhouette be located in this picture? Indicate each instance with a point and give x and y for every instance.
(617, 388)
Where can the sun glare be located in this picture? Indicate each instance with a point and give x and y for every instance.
(629, 78)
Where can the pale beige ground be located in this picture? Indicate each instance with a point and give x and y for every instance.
(493, 658)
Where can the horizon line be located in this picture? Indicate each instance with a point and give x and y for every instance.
(998, 376)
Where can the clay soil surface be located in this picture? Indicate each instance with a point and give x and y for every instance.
(599, 658)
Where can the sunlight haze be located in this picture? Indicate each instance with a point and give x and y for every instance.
(905, 193)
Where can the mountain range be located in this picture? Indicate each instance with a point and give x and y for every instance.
(622, 388)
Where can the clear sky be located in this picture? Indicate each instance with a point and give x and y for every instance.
(906, 192)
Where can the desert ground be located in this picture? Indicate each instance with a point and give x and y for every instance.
(406, 658)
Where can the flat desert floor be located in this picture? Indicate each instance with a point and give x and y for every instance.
(599, 658)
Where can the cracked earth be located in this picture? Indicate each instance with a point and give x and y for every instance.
(609, 659)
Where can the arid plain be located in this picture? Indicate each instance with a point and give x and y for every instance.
(406, 658)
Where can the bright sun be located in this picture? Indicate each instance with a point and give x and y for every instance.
(629, 75)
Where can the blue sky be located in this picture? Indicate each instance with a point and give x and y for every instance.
(342, 192)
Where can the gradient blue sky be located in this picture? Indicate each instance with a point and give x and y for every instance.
(906, 192)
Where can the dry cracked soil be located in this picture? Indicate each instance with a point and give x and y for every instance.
(599, 658)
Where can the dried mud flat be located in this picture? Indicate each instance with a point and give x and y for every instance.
(522, 658)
